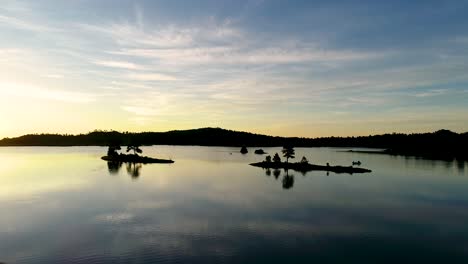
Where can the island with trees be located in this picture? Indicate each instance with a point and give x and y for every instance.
(114, 156)
(303, 165)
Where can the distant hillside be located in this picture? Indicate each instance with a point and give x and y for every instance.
(442, 144)
(202, 137)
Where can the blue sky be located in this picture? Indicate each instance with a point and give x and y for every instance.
(293, 68)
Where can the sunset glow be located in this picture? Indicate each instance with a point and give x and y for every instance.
(288, 68)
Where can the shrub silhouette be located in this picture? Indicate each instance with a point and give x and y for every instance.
(112, 150)
(276, 158)
(135, 148)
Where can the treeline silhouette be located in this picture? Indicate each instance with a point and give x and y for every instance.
(442, 144)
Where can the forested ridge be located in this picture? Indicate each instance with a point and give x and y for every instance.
(443, 144)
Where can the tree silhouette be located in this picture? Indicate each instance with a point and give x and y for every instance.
(268, 159)
(276, 158)
(288, 153)
(112, 150)
(136, 149)
(304, 160)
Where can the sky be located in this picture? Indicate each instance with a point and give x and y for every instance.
(286, 68)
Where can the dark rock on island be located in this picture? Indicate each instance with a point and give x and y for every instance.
(244, 150)
(260, 152)
(305, 167)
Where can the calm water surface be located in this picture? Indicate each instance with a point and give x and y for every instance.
(65, 205)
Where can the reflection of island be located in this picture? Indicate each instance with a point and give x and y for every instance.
(287, 181)
(276, 173)
(114, 166)
(133, 169)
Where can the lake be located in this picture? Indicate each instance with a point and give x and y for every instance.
(66, 205)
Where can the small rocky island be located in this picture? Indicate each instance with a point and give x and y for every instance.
(260, 152)
(114, 156)
(244, 150)
(303, 165)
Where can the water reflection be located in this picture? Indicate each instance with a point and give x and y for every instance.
(214, 209)
(276, 173)
(460, 166)
(114, 167)
(133, 169)
(288, 181)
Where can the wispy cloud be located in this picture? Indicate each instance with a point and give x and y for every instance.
(431, 93)
(9, 52)
(150, 104)
(118, 64)
(141, 110)
(131, 35)
(25, 25)
(151, 77)
(165, 36)
(215, 42)
(54, 76)
(25, 90)
(461, 39)
(139, 17)
(238, 55)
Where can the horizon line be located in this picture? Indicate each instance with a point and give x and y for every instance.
(239, 131)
